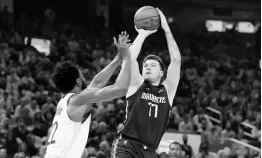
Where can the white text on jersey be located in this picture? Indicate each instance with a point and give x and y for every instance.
(153, 98)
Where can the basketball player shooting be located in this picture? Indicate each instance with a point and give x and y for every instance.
(149, 99)
(70, 129)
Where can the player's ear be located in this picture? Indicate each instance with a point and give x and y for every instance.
(78, 82)
(161, 73)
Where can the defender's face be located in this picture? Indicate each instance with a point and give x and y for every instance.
(152, 70)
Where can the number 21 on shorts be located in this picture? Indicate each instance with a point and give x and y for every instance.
(151, 106)
(52, 133)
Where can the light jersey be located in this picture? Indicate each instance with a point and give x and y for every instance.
(67, 139)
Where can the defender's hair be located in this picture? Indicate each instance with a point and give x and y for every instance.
(64, 76)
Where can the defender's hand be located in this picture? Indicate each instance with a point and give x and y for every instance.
(123, 44)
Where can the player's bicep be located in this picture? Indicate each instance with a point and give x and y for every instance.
(83, 97)
(107, 93)
(173, 76)
(136, 79)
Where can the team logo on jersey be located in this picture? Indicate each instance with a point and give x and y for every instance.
(153, 98)
(161, 90)
(59, 111)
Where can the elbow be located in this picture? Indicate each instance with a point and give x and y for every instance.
(121, 90)
(176, 60)
(96, 84)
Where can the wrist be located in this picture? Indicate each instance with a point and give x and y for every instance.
(126, 57)
(142, 35)
(167, 30)
(117, 58)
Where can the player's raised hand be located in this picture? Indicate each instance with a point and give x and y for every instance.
(145, 32)
(123, 44)
(164, 23)
(122, 41)
(123, 38)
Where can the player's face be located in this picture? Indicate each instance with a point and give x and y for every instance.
(152, 71)
(174, 150)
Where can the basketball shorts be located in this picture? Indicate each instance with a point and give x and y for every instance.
(127, 148)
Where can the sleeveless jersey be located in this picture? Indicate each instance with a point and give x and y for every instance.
(147, 114)
(67, 138)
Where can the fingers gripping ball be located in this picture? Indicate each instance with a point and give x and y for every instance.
(147, 18)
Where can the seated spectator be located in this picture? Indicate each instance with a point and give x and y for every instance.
(3, 153)
(33, 107)
(23, 152)
(204, 151)
(8, 115)
(13, 81)
(105, 148)
(201, 119)
(5, 100)
(186, 125)
(228, 132)
(18, 136)
(39, 130)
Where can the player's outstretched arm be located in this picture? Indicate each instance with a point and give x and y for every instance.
(102, 77)
(173, 72)
(119, 89)
(135, 48)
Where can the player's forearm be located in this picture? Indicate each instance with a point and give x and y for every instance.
(172, 47)
(102, 77)
(135, 48)
(124, 77)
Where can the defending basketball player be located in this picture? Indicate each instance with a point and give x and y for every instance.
(70, 129)
(149, 99)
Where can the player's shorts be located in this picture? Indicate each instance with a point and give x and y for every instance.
(127, 148)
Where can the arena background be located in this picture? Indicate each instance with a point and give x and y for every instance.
(220, 44)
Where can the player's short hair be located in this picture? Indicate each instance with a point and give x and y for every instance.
(157, 58)
(64, 76)
(176, 143)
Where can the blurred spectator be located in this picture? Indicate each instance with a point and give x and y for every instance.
(163, 155)
(228, 132)
(175, 150)
(204, 151)
(186, 125)
(187, 148)
(201, 120)
(13, 80)
(3, 153)
(5, 101)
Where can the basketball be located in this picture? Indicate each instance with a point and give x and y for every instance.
(147, 18)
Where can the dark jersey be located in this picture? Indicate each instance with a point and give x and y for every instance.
(147, 113)
(188, 150)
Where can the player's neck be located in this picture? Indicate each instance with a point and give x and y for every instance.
(75, 90)
(155, 83)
